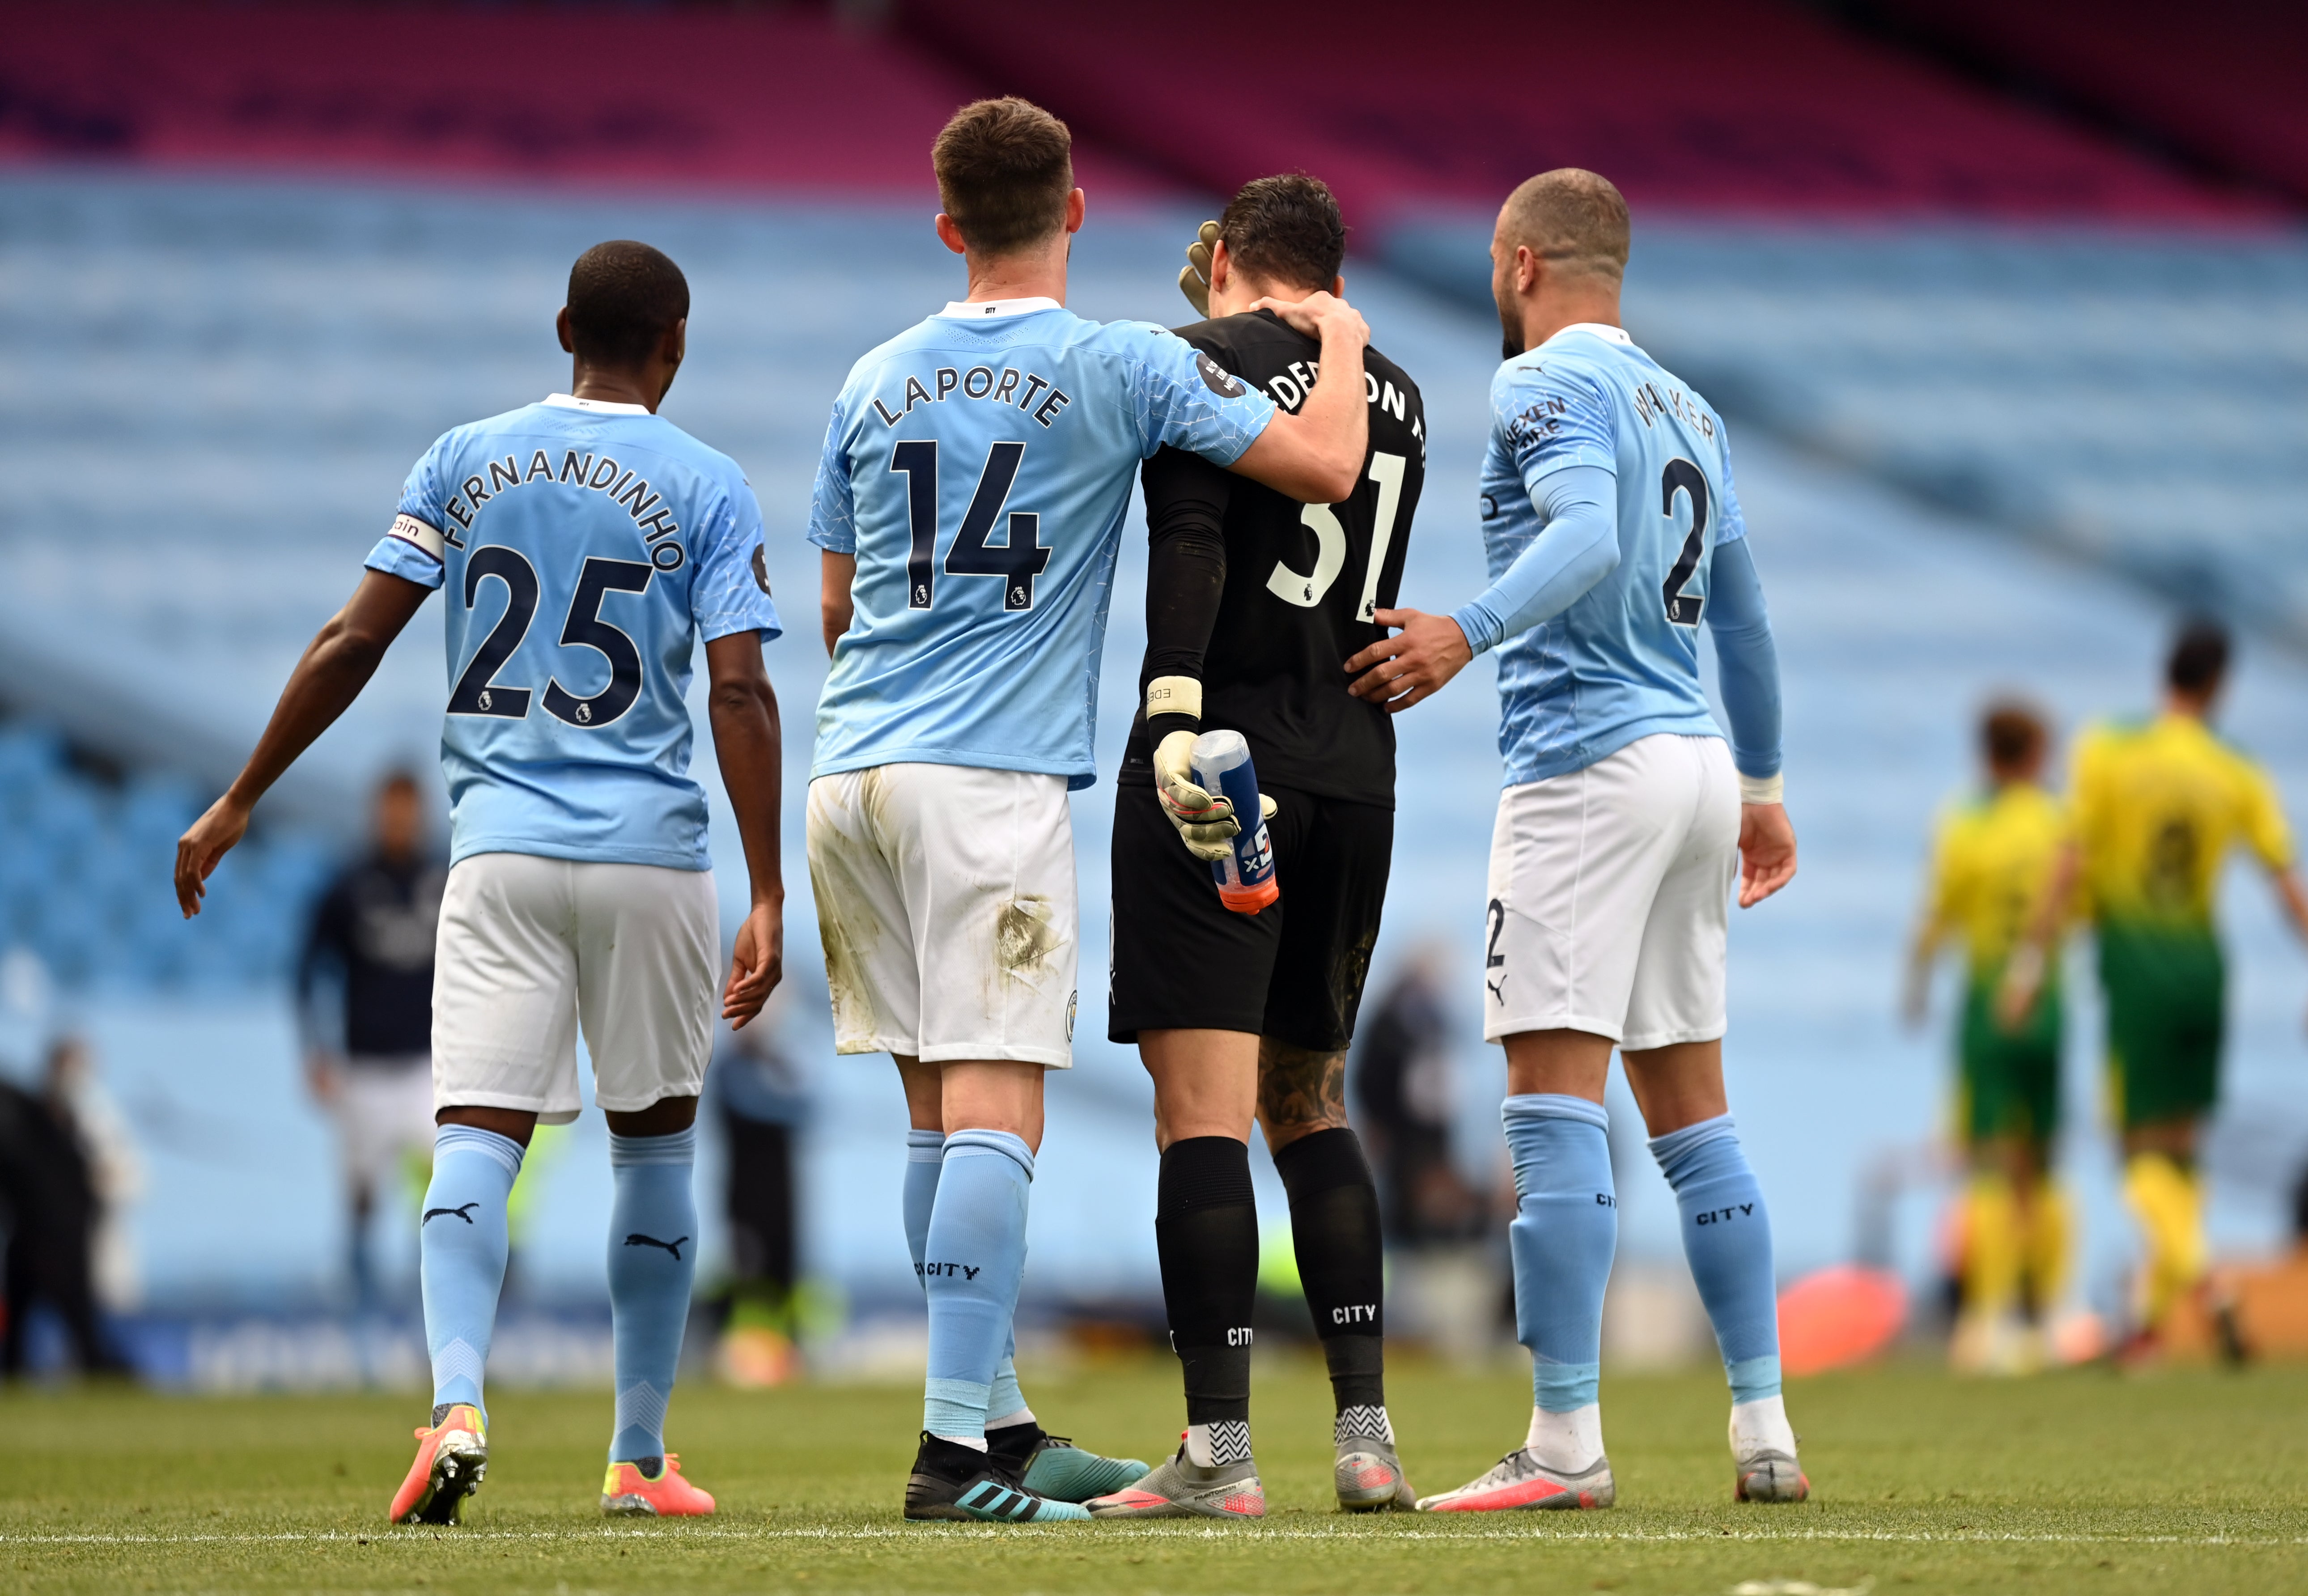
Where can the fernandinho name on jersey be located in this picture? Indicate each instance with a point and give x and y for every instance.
(1622, 662)
(2158, 804)
(585, 549)
(1992, 866)
(978, 466)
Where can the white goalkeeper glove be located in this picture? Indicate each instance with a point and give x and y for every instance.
(1194, 282)
(1205, 820)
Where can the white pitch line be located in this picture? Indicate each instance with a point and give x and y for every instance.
(417, 1536)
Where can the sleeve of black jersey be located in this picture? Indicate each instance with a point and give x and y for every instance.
(1186, 571)
(328, 947)
(1185, 563)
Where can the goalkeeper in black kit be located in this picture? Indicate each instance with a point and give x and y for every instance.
(1254, 603)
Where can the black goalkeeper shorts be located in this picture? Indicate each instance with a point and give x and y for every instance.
(1294, 970)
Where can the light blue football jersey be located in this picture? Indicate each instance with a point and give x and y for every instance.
(586, 548)
(978, 465)
(1622, 662)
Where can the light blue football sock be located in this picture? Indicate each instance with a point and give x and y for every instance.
(652, 1259)
(971, 1266)
(1565, 1230)
(462, 1255)
(1727, 1235)
(924, 1156)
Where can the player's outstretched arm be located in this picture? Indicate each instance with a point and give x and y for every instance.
(746, 740)
(336, 666)
(1316, 456)
(1578, 546)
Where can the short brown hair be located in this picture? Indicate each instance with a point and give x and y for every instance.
(1572, 218)
(1004, 169)
(2011, 734)
(1286, 230)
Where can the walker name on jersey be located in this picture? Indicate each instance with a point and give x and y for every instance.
(1040, 398)
(601, 473)
(1649, 403)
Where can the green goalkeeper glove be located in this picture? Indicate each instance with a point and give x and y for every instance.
(1194, 276)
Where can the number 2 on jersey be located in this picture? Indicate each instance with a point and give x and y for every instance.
(1017, 562)
(1682, 609)
(1306, 591)
(479, 692)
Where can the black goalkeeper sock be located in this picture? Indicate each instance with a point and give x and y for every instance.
(1205, 1232)
(1334, 1226)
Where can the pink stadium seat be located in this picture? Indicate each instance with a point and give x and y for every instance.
(671, 100)
(2224, 79)
(1728, 105)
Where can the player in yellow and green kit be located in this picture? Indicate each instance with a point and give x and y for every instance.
(1993, 870)
(2157, 804)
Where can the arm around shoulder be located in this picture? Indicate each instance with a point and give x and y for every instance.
(1316, 455)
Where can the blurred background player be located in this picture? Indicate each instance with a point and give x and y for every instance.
(2157, 804)
(996, 439)
(1405, 1091)
(761, 1099)
(580, 888)
(1993, 865)
(372, 934)
(1612, 528)
(1254, 603)
(64, 1173)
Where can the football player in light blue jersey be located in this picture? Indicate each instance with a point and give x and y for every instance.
(587, 545)
(1612, 531)
(969, 507)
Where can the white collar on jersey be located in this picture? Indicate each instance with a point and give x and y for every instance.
(601, 406)
(978, 309)
(1602, 330)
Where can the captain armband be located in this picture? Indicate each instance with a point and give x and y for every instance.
(1763, 789)
(409, 530)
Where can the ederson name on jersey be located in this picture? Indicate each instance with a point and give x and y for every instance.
(586, 548)
(978, 465)
(1621, 662)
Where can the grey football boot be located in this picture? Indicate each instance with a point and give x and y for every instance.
(1518, 1482)
(1768, 1476)
(1369, 1477)
(1183, 1488)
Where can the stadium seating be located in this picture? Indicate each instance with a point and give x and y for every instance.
(1737, 106)
(2131, 400)
(2212, 80)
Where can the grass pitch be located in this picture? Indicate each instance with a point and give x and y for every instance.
(2194, 1480)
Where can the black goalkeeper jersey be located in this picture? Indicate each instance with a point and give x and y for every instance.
(1264, 598)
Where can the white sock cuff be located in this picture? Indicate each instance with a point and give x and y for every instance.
(628, 1153)
(502, 1151)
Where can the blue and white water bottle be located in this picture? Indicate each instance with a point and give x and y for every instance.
(1246, 877)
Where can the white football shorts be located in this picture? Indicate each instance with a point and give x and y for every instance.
(1610, 897)
(945, 900)
(532, 948)
(383, 1113)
